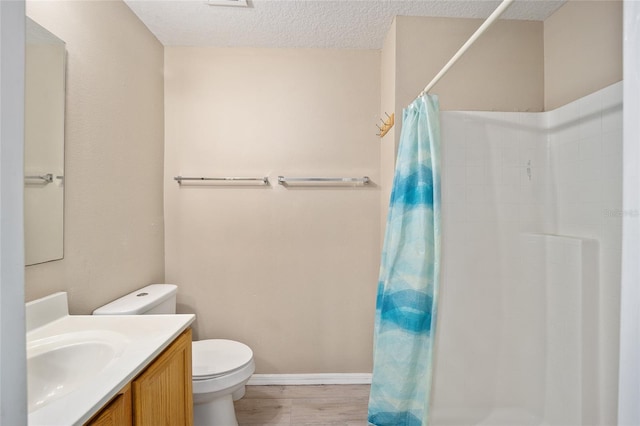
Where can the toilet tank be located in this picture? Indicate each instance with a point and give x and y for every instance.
(152, 299)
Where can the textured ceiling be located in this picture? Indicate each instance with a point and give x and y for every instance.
(357, 24)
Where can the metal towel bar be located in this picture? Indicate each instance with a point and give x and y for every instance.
(283, 180)
(47, 178)
(263, 179)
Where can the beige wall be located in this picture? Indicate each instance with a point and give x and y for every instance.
(503, 71)
(292, 272)
(114, 237)
(582, 50)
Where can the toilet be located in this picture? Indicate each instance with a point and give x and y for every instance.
(221, 368)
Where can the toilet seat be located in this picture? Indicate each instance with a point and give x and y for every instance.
(218, 357)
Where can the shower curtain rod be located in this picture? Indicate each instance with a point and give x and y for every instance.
(485, 25)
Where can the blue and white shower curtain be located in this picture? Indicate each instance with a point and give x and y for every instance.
(409, 274)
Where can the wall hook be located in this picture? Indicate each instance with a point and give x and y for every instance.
(386, 124)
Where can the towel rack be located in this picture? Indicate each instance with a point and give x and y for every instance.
(47, 178)
(283, 180)
(263, 179)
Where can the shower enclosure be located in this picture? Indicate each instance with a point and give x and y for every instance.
(529, 303)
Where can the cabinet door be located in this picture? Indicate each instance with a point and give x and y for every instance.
(162, 394)
(116, 413)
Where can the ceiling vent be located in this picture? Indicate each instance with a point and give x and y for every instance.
(233, 3)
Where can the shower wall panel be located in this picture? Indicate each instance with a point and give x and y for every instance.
(585, 147)
(505, 175)
(563, 272)
(495, 186)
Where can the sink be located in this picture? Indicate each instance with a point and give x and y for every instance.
(77, 363)
(60, 364)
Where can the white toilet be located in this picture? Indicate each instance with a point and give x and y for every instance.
(221, 368)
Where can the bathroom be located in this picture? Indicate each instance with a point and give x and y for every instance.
(292, 271)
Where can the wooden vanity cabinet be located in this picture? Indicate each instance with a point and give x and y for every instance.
(161, 395)
(117, 412)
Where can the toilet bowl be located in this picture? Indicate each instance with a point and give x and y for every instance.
(220, 368)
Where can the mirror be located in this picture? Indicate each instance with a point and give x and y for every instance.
(44, 145)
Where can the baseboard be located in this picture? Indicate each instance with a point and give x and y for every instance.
(310, 379)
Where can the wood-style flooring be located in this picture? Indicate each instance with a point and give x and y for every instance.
(313, 405)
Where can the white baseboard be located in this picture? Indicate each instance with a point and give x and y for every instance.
(310, 379)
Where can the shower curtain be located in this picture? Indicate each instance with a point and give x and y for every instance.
(409, 273)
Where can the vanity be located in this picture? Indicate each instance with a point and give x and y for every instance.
(166, 379)
(107, 370)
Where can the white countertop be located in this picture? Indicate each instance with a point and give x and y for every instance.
(144, 338)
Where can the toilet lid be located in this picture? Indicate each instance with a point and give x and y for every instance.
(218, 356)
